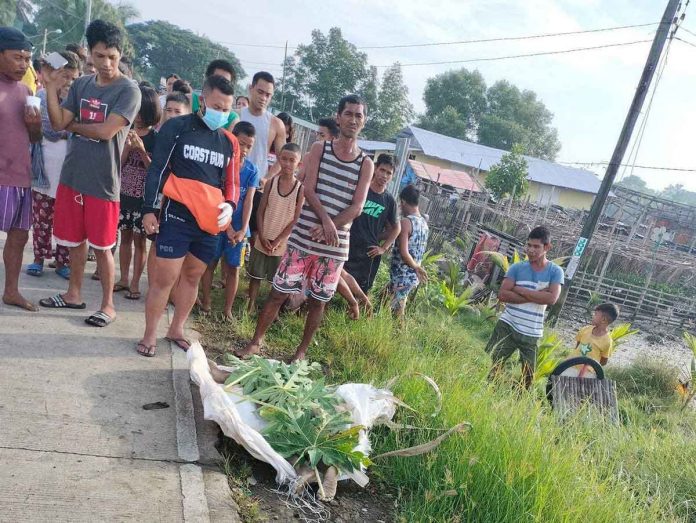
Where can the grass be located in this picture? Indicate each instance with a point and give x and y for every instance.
(517, 463)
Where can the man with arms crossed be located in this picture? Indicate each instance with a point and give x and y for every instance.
(338, 176)
(98, 111)
(528, 287)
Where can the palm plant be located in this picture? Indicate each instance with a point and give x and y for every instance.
(547, 355)
(686, 385)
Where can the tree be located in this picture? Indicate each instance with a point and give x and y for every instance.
(322, 72)
(635, 183)
(69, 17)
(509, 176)
(462, 90)
(389, 109)
(155, 42)
(16, 13)
(498, 116)
(677, 193)
(448, 122)
(514, 116)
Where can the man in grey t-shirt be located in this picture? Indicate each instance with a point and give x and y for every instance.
(98, 111)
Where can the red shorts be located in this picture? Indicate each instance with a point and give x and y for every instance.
(79, 217)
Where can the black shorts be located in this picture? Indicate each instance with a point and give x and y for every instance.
(363, 269)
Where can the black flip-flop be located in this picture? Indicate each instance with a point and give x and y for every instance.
(149, 352)
(133, 295)
(179, 342)
(99, 319)
(57, 302)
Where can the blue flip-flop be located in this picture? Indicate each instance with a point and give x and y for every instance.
(63, 272)
(35, 269)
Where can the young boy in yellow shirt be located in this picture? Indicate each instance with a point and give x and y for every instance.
(594, 340)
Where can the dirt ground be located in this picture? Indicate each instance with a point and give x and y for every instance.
(665, 346)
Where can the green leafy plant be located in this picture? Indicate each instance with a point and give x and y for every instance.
(620, 332)
(547, 355)
(456, 303)
(303, 417)
(686, 384)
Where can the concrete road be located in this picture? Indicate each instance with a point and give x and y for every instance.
(76, 443)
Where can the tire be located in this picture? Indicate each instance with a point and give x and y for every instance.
(572, 362)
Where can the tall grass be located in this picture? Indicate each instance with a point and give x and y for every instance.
(517, 463)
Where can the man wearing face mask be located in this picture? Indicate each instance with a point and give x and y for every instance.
(200, 192)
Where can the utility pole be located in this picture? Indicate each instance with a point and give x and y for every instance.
(285, 59)
(612, 169)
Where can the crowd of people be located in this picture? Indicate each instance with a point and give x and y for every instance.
(197, 179)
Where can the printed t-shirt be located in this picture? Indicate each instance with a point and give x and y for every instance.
(379, 209)
(248, 179)
(528, 318)
(15, 160)
(591, 346)
(133, 175)
(93, 167)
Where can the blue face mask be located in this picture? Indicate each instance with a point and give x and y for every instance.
(215, 119)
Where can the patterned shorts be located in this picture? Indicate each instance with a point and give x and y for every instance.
(130, 221)
(15, 208)
(300, 272)
(400, 287)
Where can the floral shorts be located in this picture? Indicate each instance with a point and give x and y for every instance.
(315, 275)
(131, 221)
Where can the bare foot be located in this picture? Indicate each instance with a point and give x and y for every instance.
(369, 308)
(354, 310)
(228, 316)
(249, 350)
(299, 355)
(19, 301)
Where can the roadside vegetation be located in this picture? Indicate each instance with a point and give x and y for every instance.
(517, 463)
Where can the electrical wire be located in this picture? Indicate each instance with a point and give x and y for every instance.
(462, 42)
(650, 167)
(527, 55)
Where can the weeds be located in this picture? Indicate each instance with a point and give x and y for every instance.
(517, 463)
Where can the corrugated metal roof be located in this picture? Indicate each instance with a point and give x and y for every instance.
(484, 157)
(452, 177)
(373, 145)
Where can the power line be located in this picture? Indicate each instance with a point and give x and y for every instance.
(650, 167)
(509, 38)
(463, 42)
(542, 53)
(688, 31)
(685, 41)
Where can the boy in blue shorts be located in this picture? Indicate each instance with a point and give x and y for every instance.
(231, 243)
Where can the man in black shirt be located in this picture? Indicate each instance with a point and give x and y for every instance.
(371, 235)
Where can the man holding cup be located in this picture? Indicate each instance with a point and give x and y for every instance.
(20, 125)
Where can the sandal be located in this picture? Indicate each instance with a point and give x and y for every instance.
(118, 287)
(99, 319)
(52, 265)
(58, 302)
(147, 351)
(35, 269)
(96, 276)
(63, 272)
(182, 343)
(133, 295)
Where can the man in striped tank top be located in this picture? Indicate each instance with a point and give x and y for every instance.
(337, 178)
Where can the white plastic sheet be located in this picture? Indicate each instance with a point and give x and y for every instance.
(238, 418)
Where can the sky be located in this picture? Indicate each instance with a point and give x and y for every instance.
(588, 92)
